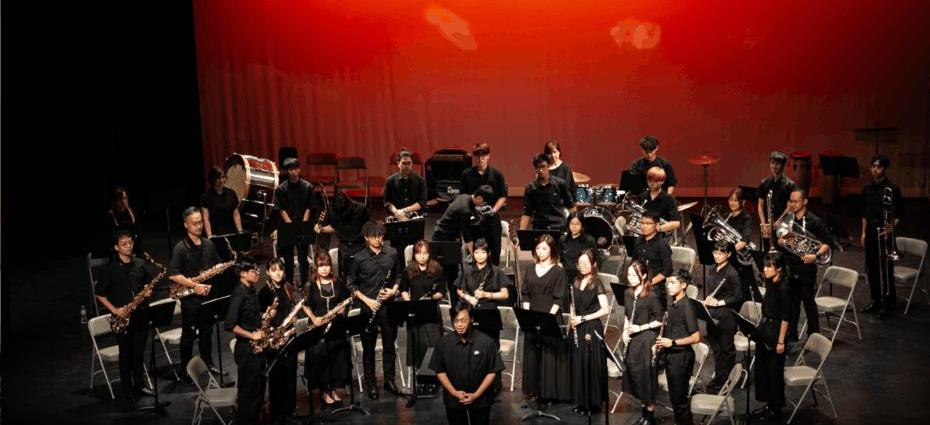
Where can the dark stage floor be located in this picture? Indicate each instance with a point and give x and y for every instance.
(881, 379)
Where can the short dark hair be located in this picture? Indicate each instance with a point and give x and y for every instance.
(649, 143)
(652, 215)
(122, 233)
(484, 191)
(188, 211)
(373, 228)
(775, 259)
(803, 192)
(244, 264)
(404, 153)
(539, 159)
(882, 160)
(684, 276)
(462, 305)
(482, 244)
(723, 246)
(214, 174)
(481, 149)
(275, 262)
(779, 157)
(290, 163)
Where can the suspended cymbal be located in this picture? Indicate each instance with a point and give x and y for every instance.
(581, 178)
(704, 158)
(685, 206)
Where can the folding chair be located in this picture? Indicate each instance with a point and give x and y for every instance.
(93, 263)
(334, 255)
(172, 336)
(606, 279)
(683, 258)
(802, 375)
(352, 177)
(712, 404)
(357, 348)
(321, 169)
(753, 312)
(904, 274)
(510, 347)
(830, 306)
(408, 255)
(209, 392)
(701, 350)
(97, 327)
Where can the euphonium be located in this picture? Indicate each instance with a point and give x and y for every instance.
(719, 230)
(636, 214)
(799, 241)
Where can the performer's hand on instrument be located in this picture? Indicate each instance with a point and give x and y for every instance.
(574, 321)
(121, 312)
(316, 321)
(766, 230)
(626, 338)
(710, 302)
(781, 241)
(201, 289)
(317, 228)
(809, 259)
(372, 304)
(739, 246)
(257, 335)
(663, 342)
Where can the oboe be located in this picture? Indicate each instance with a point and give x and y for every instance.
(661, 333)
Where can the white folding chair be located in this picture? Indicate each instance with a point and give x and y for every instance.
(172, 336)
(357, 348)
(445, 314)
(905, 274)
(831, 306)
(802, 375)
(700, 356)
(606, 279)
(712, 404)
(613, 372)
(753, 312)
(408, 255)
(209, 392)
(334, 254)
(683, 258)
(691, 292)
(510, 347)
(506, 244)
(93, 263)
(97, 327)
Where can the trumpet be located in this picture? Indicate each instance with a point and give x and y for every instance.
(799, 241)
(719, 230)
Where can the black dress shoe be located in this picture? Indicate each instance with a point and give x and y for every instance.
(373, 393)
(872, 307)
(216, 370)
(770, 414)
(759, 411)
(391, 388)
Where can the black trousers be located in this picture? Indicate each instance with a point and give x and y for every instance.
(803, 284)
(287, 253)
(747, 278)
(470, 416)
(721, 341)
(131, 350)
(282, 386)
(347, 251)
(770, 377)
(873, 266)
(250, 383)
(388, 353)
(679, 365)
(191, 330)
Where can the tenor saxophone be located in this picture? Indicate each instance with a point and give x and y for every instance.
(178, 291)
(259, 345)
(118, 324)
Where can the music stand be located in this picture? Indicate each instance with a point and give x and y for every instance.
(878, 134)
(528, 237)
(411, 314)
(410, 230)
(702, 312)
(487, 320)
(240, 242)
(302, 341)
(631, 182)
(541, 324)
(213, 312)
(349, 327)
(148, 319)
(705, 248)
(751, 332)
(293, 233)
(619, 289)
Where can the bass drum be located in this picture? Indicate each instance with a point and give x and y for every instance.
(254, 180)
(599, 223)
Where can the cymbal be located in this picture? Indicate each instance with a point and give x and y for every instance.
(580, 178)
(685, 206)
(704, 158)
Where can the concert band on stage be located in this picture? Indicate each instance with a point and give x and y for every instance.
(660, 326)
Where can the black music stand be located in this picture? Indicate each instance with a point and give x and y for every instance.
(486, 320)
(877, 134)
(631, 182)
(213, 312)
(410, 230)
(240, 242)
(302, 341)
(540, 324)
(449, 255)
(705, 248)
(411, 314)
(528, 237)
(611, 357)
(293, 233)
(751, 332)
(347, 327)
(702, 312)
(148, 319)
(619, 289)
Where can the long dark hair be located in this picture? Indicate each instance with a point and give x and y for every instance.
(432, 266)
(322, 259)
(643, 273)
(550, 242)
(592, 257)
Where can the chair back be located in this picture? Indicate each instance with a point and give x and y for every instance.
(683, 258)
(99, 326)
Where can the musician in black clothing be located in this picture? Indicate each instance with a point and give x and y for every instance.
(282, 388)
(588, 303)
(460, 222)
(773, 328)
(296, 202)
(741, 221)
(650, 158)
(328, 363)
(545, 199)
(346, 221)
(191, 256)
(559, 168)
(118, 283)
(726, 297)
(422, 280)
(681, 332)
(404, 194)
(482, 174)
(374, 278)
(573, 243)
(654, 251)
(655, 200)
(874, 195)
(482, 284)
(803, 270)
(120, 216)
(467, 363)
(243, 319)
(220, 206)
(780, 186)
(643, 320)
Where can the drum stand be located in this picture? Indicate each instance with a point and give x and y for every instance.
(704, 207)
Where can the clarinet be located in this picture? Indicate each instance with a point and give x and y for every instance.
(374, 313)
(571, 294)
(661, 332)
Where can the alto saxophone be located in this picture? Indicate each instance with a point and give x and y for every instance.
(265, 327)
(279, 336)
(118, 323)
(178, 291)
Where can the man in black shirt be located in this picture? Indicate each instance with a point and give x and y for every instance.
(373, 280)
(466, 364)
(191, 256)
(650, 158)
(404, 194)
(780, 187)
(659, 202)
(726, 297)
(243, 319)
(346, 221)
(681, 331)
(654, 251)
(118, 283)
(881, 198)
(482, 174)
(295, 200)
(545, 199)
(219, 206)
(803, 270)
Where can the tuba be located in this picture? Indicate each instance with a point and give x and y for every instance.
(798, 241)
(719, 230)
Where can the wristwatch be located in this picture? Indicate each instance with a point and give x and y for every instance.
(674, 343)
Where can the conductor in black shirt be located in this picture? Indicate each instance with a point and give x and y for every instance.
(466, 363)
(482, 174)
(294, 200)
(545, 199)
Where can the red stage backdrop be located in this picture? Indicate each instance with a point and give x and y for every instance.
(737, 78)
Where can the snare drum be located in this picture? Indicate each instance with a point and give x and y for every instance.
(584, 195)
(253, 179)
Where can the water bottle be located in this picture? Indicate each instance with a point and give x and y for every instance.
(83, 315)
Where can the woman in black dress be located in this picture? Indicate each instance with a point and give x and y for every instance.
(573, 243)
(557, 167)
(770, 357)
(589, 303)
(282, 388)
(546, 369)
(421, 280)
(643, 313)
(482, 284)
(327, 364)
